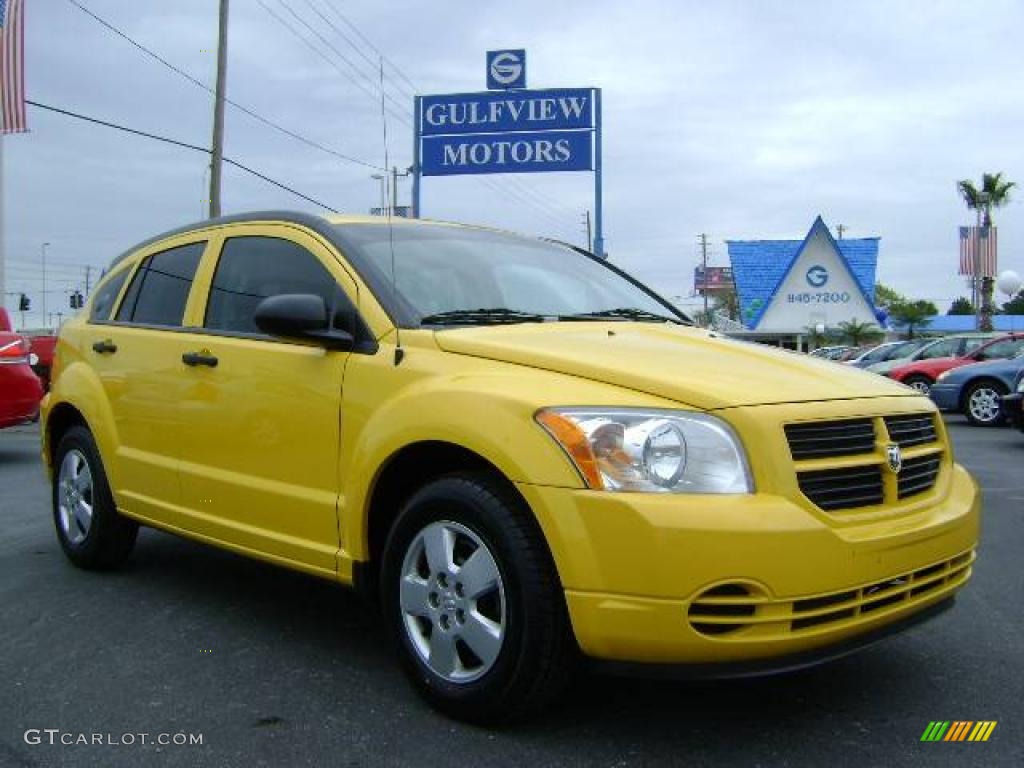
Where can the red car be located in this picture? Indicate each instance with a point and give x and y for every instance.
(20, 388)
(921, 374)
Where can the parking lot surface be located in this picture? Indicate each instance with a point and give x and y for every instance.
(276, 668)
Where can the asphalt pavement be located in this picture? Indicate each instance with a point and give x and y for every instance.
(270, 667)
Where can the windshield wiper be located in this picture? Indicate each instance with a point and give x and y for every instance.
(492, 316)
(624, 313)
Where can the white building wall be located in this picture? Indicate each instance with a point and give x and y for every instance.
(818, 289)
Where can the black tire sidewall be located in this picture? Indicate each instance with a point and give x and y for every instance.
(486, 515)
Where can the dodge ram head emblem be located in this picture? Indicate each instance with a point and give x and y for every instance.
(895, 458)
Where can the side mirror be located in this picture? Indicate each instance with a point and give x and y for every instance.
(300, 316)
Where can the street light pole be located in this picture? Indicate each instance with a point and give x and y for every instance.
(43, 250)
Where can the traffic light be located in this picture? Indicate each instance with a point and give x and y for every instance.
(24, 303)
(76, 300)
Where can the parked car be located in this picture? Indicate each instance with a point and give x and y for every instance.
(922, 374)
(519, 451)
(891, 350)
(1013, 403)
(42, 347)
(20, 390)
(831, 353)
(976, 390)
(948, 346)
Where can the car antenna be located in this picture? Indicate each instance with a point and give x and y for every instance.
(393, 178)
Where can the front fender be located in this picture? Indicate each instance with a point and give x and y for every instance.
(483, 406)
(79, 387)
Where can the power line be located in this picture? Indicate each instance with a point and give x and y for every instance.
(372, 47)
(362, 54)
(340, 55)
(184, 145)
(255, 115)
(287, 25)
(526, 194)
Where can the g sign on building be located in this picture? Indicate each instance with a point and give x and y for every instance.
(787, 286)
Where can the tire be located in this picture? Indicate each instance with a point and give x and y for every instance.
(471, 675)
(91, 532)
(981, 404)
(921, 383)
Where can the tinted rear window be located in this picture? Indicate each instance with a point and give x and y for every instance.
(159, 291)
(106, 295)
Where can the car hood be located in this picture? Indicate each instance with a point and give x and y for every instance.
(688, 365)
(1008, 367)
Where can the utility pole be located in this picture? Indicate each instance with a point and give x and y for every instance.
(217, 152)
(590, 236)
(704, 260)
(840, 228)
(394, 188)
(43, 249)
(88, 281)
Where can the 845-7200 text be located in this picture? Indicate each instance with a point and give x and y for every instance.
(819, 297)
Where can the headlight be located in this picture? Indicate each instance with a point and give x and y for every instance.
(943, 375)
(653, 451)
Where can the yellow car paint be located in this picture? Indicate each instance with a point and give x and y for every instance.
(277, 452)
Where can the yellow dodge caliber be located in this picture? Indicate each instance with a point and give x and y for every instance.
(521, 452)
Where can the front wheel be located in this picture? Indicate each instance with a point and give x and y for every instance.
(91, 531)
(983, 404)
(471, 597)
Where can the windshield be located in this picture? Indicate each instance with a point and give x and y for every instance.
(465, 276)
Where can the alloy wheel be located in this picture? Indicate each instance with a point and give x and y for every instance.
(75, 496)
(984, 404)
(452, 600)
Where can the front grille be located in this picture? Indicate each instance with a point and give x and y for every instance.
(822, 439)
(843, 488)
(918, 475)
(842, 464)
(908, 431)
(728, 609)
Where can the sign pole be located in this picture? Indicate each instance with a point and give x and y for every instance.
(598, 231)
(417, 107)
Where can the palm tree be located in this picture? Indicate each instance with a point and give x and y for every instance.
(856, 332)
(993, 193)
(913, 314)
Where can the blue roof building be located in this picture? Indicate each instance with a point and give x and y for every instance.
(788, 286)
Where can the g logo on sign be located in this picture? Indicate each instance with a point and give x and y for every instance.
(817, 276)
(506, 69)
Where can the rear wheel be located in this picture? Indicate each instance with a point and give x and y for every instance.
(472, 599)
(982, 404)
(91, 532)
(921, 383)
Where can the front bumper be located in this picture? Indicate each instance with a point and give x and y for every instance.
(782, 582)
(1013, 409)
(945, 397)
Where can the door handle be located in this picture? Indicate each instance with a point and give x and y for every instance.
(199, 358)
(104, 347)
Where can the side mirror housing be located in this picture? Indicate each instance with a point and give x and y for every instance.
(302, 316)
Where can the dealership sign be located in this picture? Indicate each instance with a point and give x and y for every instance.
(507, 132)
(509, 129)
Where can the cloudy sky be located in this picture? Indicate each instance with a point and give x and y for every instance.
(742, 120)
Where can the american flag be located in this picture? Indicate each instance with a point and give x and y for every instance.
(978, 246)
(12, 70)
